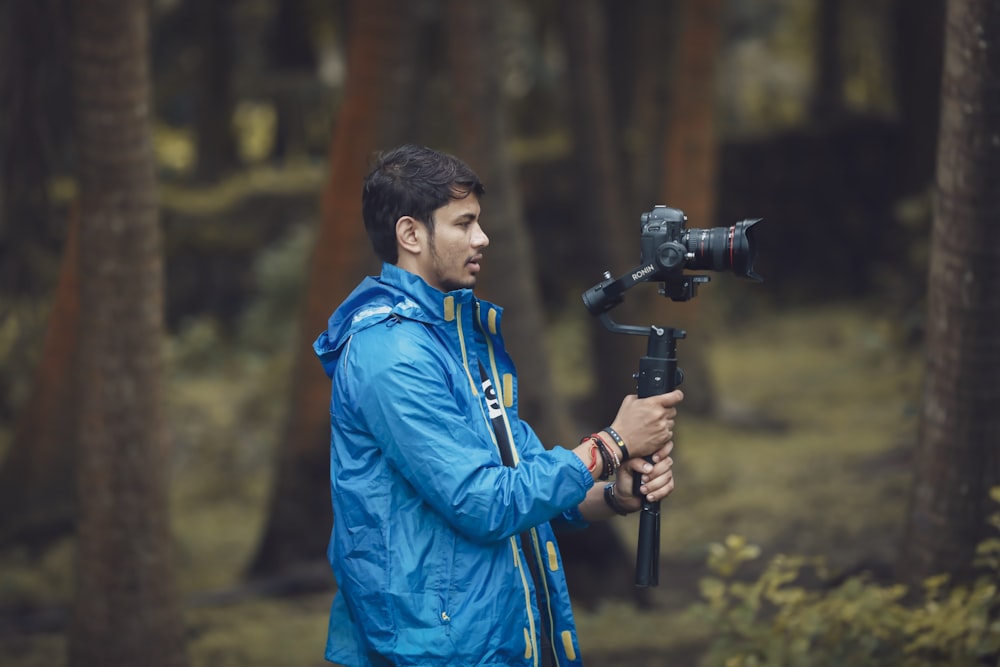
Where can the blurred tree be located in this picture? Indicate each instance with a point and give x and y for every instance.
(690, 171)
(380, 55)
(957, 458)
(214, 100)
(477, 68)
(917, 77)
(827, 99)
(35, 117)
(691, 143)
(652, 28)
(125, 611)
(292, 66)
(36, 479)
(36, 492)
(600, 208)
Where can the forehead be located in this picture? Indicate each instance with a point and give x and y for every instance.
(458, 209)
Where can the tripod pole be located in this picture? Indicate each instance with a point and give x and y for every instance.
(658, 374)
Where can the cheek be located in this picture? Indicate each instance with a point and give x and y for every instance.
(456, 250)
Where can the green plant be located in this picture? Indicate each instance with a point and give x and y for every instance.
(789, 616)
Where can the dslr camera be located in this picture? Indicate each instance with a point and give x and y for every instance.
(667, 248)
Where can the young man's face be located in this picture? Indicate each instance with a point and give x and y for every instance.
(456, 246)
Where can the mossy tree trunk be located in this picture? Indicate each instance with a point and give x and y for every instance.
(125, 611)
(958, 453)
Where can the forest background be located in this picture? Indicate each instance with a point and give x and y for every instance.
(181, 212)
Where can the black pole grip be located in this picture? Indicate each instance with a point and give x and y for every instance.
(658, 374)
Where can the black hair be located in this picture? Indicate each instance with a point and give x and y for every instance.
(414, 181)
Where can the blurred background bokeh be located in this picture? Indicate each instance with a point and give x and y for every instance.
(806, 421)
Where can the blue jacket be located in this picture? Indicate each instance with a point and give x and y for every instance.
(425, 542)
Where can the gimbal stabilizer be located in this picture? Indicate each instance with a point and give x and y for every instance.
(658, 374)
(667, 248)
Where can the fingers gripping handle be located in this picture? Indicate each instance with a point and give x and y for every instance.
(658, 374)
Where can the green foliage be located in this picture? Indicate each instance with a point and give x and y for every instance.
(262, 633)
(29, 580)
(227, 395)
(268, 324)
(778, 620)
(22, 329)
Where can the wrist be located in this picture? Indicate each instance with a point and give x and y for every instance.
(620, 504)
(601, 458)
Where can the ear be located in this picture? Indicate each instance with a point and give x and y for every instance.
(410, 235)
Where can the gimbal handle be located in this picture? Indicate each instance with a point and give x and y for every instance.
(658, 374)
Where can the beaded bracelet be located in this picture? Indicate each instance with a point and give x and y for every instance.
(618, 440)
(609, 458)
(612, 501)
(605, 457)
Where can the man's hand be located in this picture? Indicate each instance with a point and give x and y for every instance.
(657, 479)
(647, 424)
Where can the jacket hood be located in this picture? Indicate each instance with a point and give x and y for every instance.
(396, 293)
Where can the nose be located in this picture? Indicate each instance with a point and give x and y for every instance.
(479, 237)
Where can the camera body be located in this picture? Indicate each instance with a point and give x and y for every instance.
(668, 247)
(663, 241)
(666, 244)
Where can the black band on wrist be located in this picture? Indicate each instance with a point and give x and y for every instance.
(612, 501)
(618, 440)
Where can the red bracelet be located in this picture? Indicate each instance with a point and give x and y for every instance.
(609, 460)
(593, 456)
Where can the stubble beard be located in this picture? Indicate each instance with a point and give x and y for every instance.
(448, 285)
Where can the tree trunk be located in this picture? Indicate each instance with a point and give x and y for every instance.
(691, 142)
(957, 459)
(651, 98)
(690, 168)
(610, 227)
(511, 279)
(379, 56)
(36, 480)
(125, 612)
(917, 69)
(216, 142)
(827, 99)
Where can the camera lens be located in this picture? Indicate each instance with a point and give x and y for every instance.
(723, 248)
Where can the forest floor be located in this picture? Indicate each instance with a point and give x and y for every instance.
(808, 454)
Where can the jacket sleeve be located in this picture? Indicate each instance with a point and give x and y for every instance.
(431, 430)
(531, 446)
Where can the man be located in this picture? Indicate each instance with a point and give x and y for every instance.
(442, 496)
